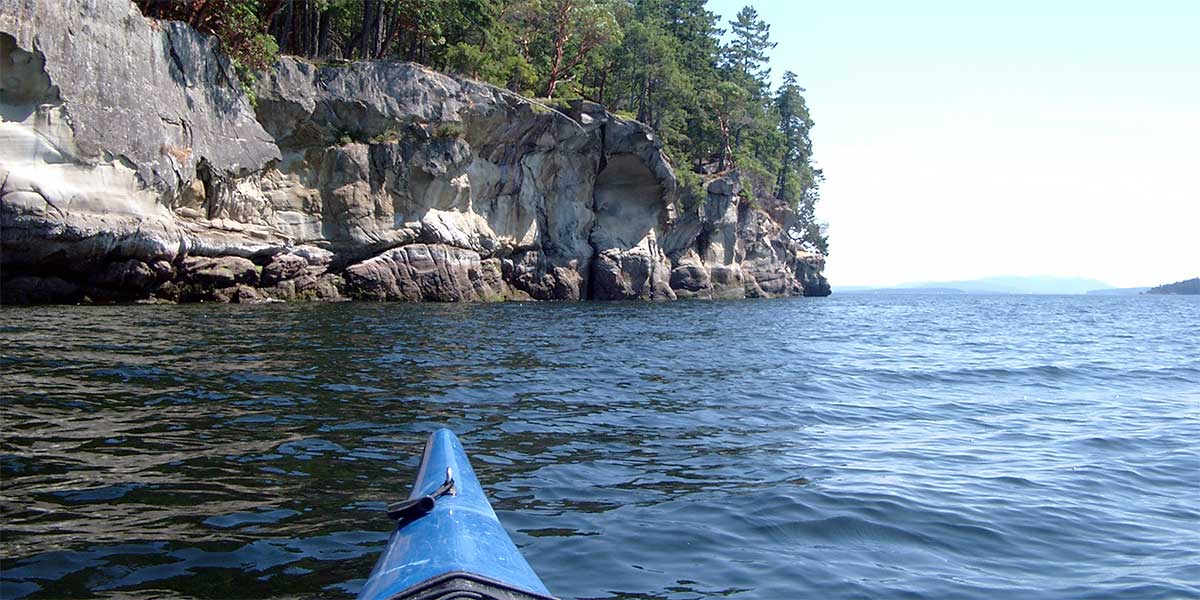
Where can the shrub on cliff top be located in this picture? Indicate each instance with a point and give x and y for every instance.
(691, 188)
(240, 25)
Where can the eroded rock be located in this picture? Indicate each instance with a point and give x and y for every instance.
(132, 167)
(425, 273)
(283, 266)
(219, 272)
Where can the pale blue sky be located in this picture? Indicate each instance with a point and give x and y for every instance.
(963, 139)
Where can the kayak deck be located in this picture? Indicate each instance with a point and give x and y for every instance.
(458, 548)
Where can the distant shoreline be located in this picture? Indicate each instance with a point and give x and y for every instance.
(1187, 287)
(1035, 285)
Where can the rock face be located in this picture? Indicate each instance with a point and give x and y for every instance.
(133, 166)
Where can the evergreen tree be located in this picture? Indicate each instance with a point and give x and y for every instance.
(798, 181)
(697, 42)
(746, 54)
(794, 124)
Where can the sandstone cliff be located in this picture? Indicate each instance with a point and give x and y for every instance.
(134, 166)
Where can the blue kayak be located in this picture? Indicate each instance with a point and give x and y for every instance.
(448, 542)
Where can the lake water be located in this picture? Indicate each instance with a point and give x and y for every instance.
(846, 447)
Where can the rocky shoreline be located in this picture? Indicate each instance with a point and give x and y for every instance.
(135, 167)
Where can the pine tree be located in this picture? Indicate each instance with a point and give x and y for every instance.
(794, 124)
(746, 54)
(798, 181)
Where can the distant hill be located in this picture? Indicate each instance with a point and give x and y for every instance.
(912, 291)
(1118, 291)
(1187, 287)
(990, 285)
(1019, 285)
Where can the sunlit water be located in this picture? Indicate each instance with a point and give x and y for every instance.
(847, 447)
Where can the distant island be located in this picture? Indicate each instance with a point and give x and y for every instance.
(1130, 291)
(992, 285)
(916, 291)
(1187, 287)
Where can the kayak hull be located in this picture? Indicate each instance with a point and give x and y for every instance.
(458, 546)
(466, 586)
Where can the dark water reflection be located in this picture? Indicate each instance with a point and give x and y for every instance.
(846, 447)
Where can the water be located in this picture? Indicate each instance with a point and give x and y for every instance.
(848, 447)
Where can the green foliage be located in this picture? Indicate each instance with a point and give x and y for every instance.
(756, 177)
(745, 57)
(815, 238)
(571, 35)
(516, 74)
(350, 136)
(390, 134)
(691, 188)
(465, 59)
(238, 24)
(539, 108)
(750, 197)
(246, 78)
(448, 130)
(244, 36)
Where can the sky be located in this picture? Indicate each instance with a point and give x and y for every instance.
(964, 139)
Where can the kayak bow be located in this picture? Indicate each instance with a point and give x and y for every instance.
(448, 542)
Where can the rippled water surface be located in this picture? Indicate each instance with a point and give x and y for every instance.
(848, 447)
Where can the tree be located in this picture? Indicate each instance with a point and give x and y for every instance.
(794, 123)
(746, 54)
(577, 28)
(755, 141)
(727, 102)
(302, 27)
(241, 25)
(653, 78)
(798, 182)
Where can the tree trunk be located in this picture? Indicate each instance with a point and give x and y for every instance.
(643, 101)
(283, 29)
(299, 22)
(310, 32)
(726, 150)
(317, 17)
(309, 40)
(197, 16)
(600, 87)
(392, 29)
(562, 32)
(323, 33)
(366, 41)
(272, 8)
(377, 29)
